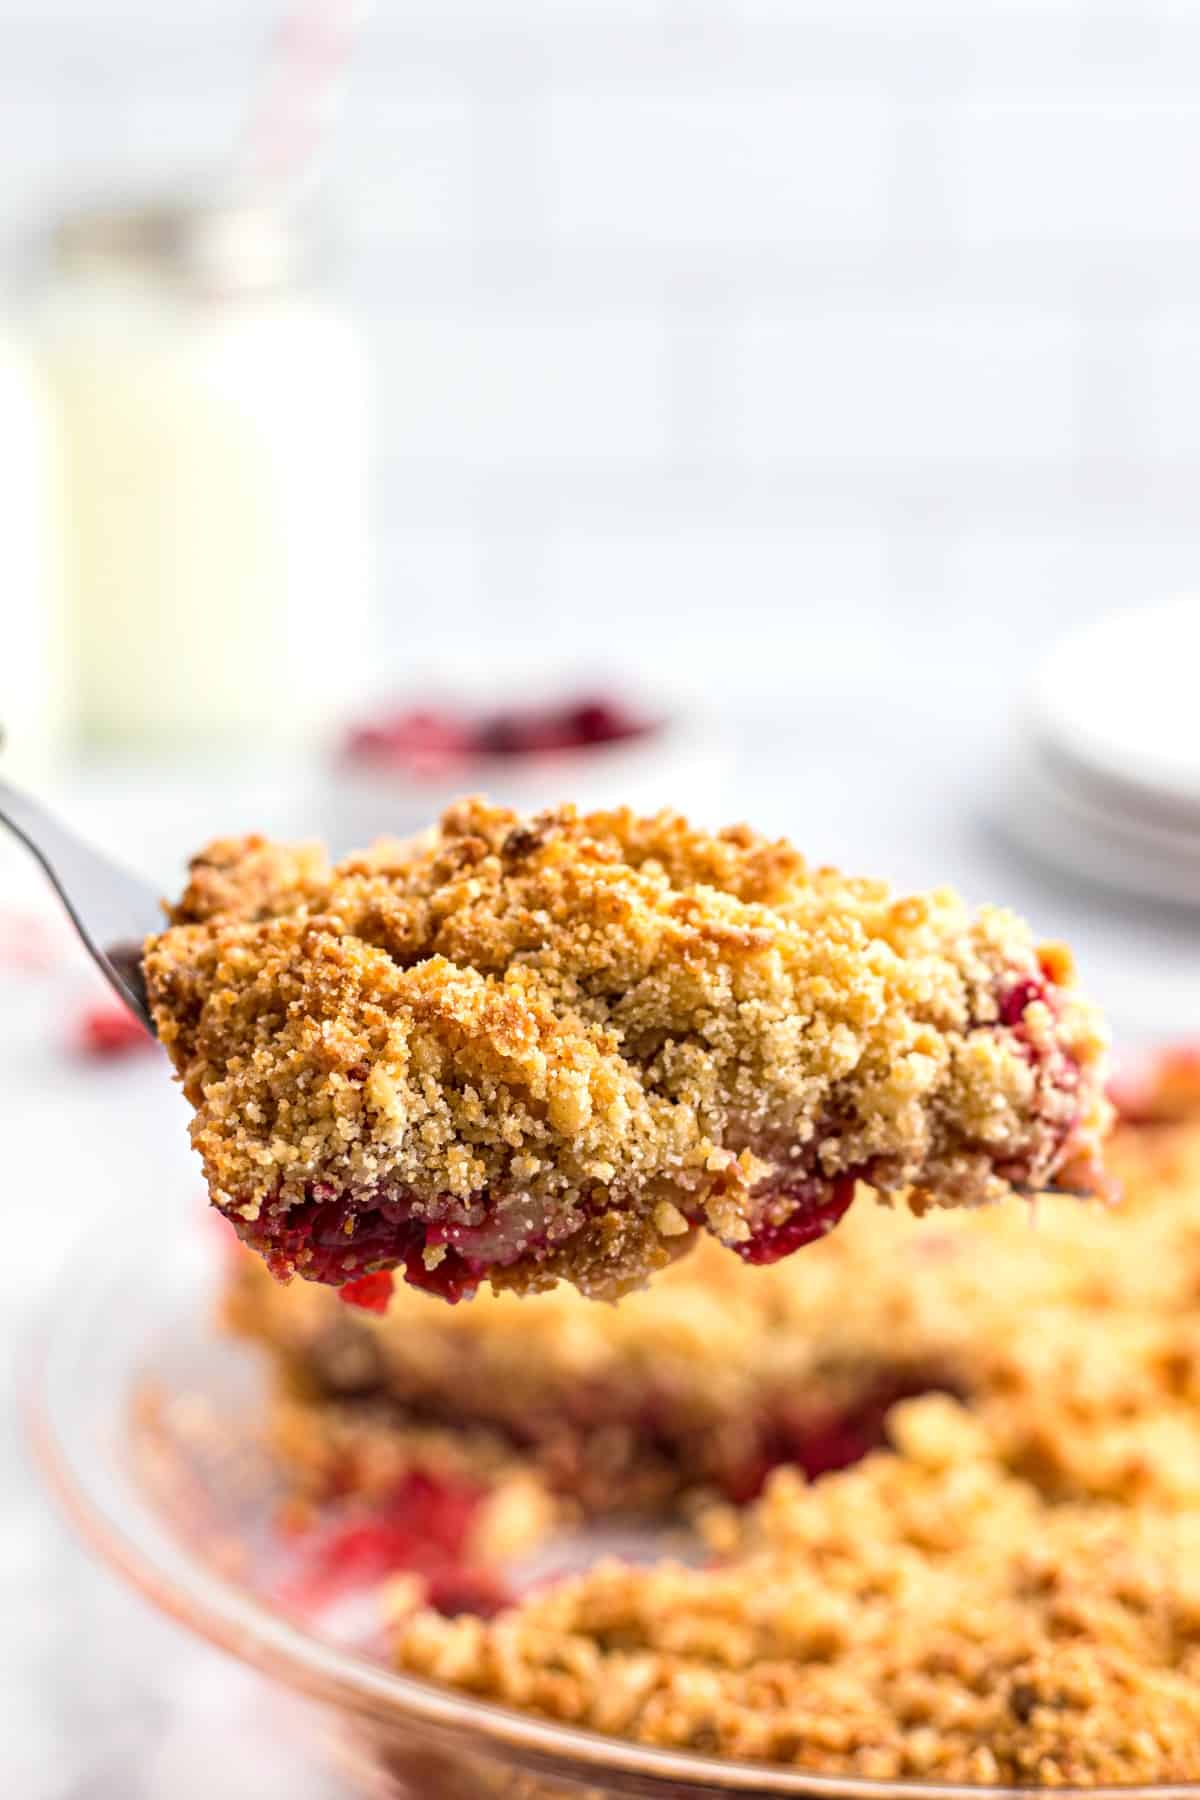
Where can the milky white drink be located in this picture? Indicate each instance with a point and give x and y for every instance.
(31, 648)
(213, 418)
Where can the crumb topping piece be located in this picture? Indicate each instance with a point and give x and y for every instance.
(1072, 1331)
(1009, 1596)
(926, 1614)
(522, 1050)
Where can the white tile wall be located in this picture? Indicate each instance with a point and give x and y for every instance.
(406, 173)
(863, 386)
(757, 335)
(1111, 169)
(763, 592)
(1170, 412)
(725, 171)
(511, 385)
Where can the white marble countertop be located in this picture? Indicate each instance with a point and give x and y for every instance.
(99, 1698)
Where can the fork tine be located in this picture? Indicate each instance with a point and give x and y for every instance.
(112, 910)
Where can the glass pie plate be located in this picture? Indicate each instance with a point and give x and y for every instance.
(144, 1419)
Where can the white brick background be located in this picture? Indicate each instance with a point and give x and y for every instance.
(755, 335)
(762, 340)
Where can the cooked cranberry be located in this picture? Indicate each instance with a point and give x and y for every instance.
(368, 743)
(600, 721)
(818, 1205)
(313, 1236)
(370, 1292)
(355, 1247)
(423, 1526)
(1054, 1067)
(820, 1443)
(442, 1511)
(417, 735)
(453, 1279)
(428, 741)
(528, 732)
(1018, 997)
(844, 1438)
(467, 1590)
(501, 735)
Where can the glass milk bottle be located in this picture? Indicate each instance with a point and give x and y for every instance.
(31, 648)
(213, 419)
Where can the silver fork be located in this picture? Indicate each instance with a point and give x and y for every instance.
(113, 911)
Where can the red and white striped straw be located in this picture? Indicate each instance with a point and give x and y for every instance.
(301, 90)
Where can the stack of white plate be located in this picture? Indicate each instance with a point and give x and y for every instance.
(1106, 771)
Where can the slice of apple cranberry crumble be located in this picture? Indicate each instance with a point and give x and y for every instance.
(524, 1050)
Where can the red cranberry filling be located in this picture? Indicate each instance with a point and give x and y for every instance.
(424, 1527)
(820, 1443)
(445, 1247)
(449, 1248)
(818, 1204)
(1020, 995)
(370, 1292)
(467, 1588)
(342, 1245)
(1057, 1070)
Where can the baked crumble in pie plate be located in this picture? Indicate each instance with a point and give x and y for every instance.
(146, 1420)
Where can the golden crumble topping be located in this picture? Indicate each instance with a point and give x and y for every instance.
(1074, 1331)
(530, 1049)
(926, 1614)
(1007, 1593)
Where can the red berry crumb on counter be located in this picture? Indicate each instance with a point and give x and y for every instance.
(105, 1030)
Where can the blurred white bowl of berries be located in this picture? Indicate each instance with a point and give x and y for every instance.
(595, 743)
